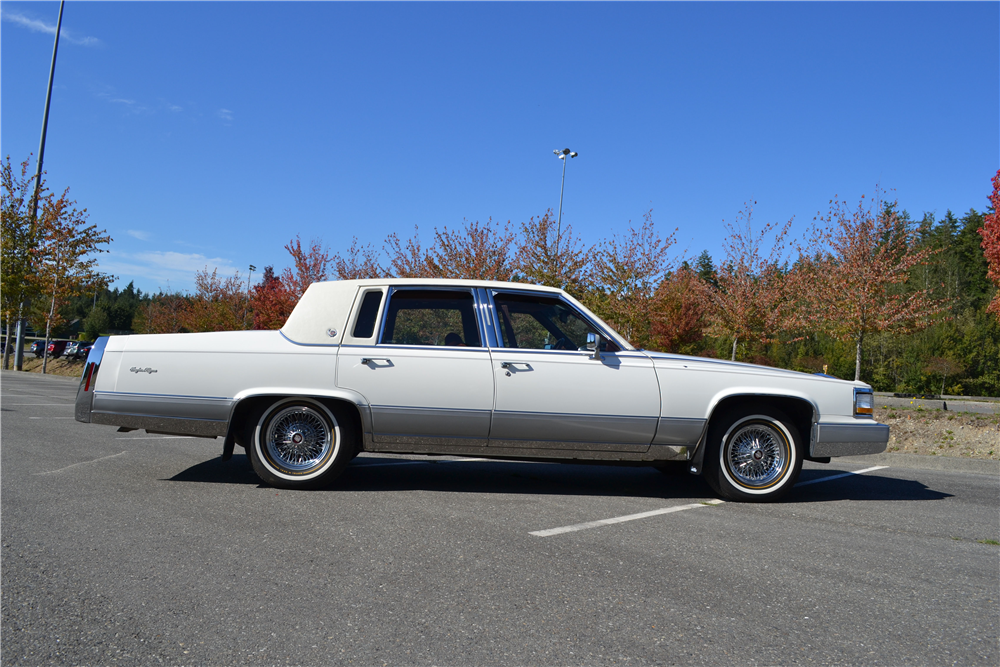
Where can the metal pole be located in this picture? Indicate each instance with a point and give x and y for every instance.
(565, 159)
(19, 347)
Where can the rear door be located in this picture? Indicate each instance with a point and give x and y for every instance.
(428, 378)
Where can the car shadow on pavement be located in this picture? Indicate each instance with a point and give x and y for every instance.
(871, 486)
(370, 473)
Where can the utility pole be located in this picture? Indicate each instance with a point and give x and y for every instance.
(19, 346)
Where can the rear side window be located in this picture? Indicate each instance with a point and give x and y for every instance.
(365, 326)
(431, 317)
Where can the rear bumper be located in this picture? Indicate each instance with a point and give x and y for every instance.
(848, 439)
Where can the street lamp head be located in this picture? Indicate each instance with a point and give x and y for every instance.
(557, 152)
(565, 151)
(573, 154)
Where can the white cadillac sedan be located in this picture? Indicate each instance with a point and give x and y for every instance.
(472, 368)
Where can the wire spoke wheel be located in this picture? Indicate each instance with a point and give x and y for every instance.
(298, 439)
(757, 455)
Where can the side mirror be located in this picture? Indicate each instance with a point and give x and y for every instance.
(594, 343)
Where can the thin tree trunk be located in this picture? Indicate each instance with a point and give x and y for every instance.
(48, 329)
(857, 361)
(735, 340)
(7, 346)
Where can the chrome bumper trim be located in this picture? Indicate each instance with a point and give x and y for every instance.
(848, 439)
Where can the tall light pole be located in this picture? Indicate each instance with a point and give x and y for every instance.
(562, 156)
(19, 346)
(246, 306)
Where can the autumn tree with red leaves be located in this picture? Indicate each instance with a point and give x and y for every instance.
(477, 251)
(624, 275)
(855, 264)
(990, 231)
(311, 266)
(750, 297)
(163, 313)
(543, 258)
(407, 260)
(361, 262)
(678, 312)
(64, 261)
(271, 301)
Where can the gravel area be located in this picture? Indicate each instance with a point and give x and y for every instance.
(941, 432)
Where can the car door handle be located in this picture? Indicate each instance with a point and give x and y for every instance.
(368, 360)
(511, 364)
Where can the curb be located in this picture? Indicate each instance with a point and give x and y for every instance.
(925, 462)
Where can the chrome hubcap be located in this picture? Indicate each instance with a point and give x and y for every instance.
(756, 455)
(298, 438)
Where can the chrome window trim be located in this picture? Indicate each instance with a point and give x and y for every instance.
(428, 288)
(493, 291)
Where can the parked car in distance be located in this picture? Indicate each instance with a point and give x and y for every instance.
(82, 350)
(471, 368)
(77, 349)
(57, 347)
(38, 348)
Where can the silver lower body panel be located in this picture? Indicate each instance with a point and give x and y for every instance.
(201, 428)
(179, 415)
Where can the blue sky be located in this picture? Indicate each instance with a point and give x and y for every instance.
(211, 133)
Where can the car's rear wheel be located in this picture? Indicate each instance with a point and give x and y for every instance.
(300, 443)
(753, 455)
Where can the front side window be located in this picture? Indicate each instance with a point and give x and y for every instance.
(431, 317)
(535, 322)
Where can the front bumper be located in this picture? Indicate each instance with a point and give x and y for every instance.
(850, 439)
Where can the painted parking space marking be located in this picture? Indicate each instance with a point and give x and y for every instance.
(81, 463)
(68, 405)
(621, 519)
(159, 437)
(680, 508)
(838, 476)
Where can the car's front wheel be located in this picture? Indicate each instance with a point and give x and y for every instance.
(300, 443)
(753, 455)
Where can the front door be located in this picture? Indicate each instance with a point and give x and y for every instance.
(428, 379)
(550, 391)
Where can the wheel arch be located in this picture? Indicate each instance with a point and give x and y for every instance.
(251, 403)
(801, 411)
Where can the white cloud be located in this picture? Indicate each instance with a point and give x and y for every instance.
(225, 114)
(37, 25)
(162, 270)
(138, 234)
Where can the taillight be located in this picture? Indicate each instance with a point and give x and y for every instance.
(90, 372)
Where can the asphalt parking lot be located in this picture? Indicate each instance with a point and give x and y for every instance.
(133, 549)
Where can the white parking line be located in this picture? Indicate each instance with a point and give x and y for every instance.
(69, 405)
(679, 508)
(48, 418)
(622, 519)
(160, 437)
(81, 463)
(843, 474)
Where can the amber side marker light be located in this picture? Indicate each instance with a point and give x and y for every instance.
(864, 403)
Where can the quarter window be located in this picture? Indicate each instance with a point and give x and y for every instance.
(431, 317)
(367, 314)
